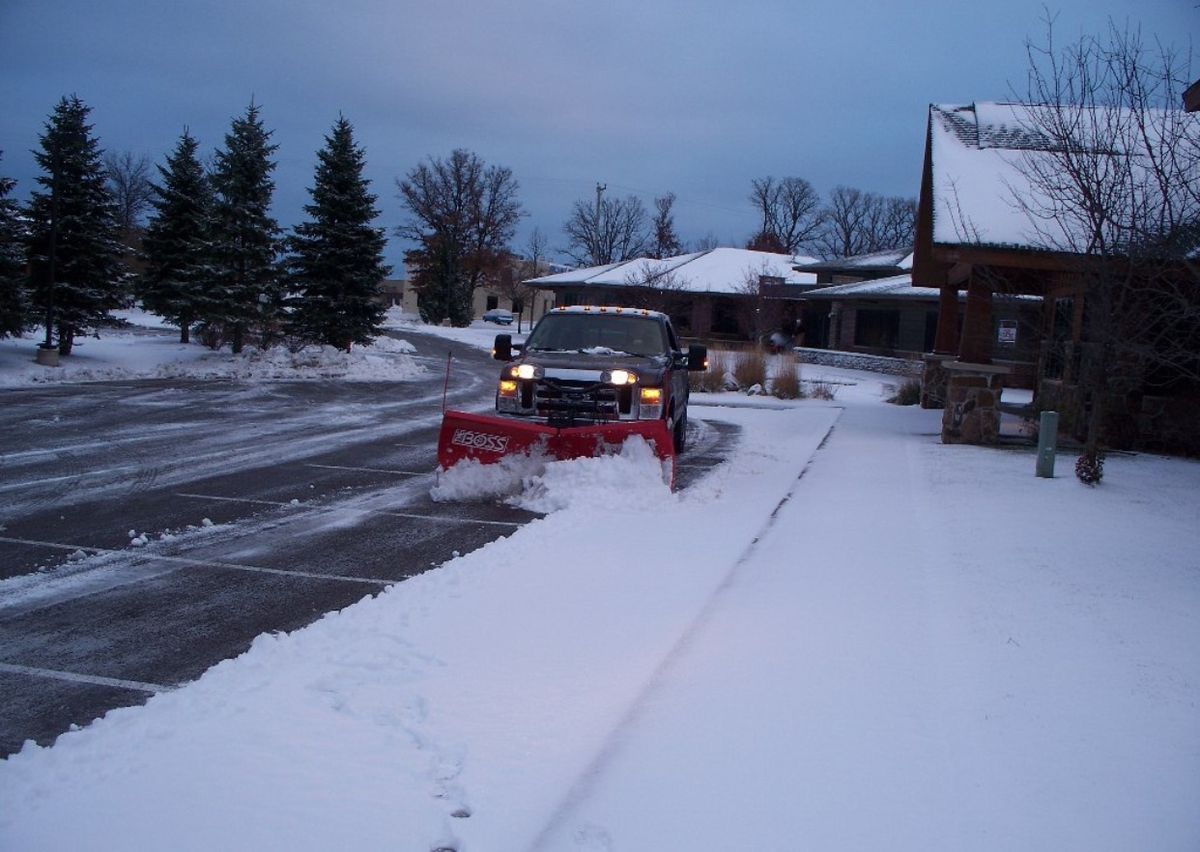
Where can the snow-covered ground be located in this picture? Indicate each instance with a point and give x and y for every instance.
(848, 636)
(150, 349)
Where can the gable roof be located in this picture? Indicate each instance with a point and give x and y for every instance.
(719, 270)
(981, 156)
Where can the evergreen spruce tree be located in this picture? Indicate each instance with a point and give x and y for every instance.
(246, 291)
(178, 242)
(73, 250)
(14, 305)
(337, 256)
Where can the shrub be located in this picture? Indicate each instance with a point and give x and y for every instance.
(750, 368)
(1089, 467)
(822, 389)
(786, 383)
(908, 393)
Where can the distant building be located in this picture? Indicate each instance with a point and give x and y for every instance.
(735, 294)
(507, 293)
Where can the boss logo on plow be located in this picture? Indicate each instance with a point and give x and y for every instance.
(480, 441)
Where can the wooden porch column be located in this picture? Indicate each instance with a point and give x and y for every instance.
(976, 345)
(946, 339)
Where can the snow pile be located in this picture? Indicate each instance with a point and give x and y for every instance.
(632, 477)
(472, 480)
(122, 355)
(384, 360)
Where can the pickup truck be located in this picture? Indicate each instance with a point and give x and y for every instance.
(598, 365)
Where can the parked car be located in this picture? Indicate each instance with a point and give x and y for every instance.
(498, 316)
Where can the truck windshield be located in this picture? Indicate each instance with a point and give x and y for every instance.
(633, 335)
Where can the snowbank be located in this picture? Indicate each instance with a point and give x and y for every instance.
(151, 350)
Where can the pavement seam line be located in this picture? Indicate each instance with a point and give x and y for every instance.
(204, 563)
(370, 469)
(389, 513)
(76, 677)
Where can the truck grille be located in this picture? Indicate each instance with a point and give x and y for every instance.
(564, 402)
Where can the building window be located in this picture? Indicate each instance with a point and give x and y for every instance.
(876, 329)
(493, 302)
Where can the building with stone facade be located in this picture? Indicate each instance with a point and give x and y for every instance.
(977, 244)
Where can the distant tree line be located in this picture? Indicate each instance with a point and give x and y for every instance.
(212, 259)
(792, 220)
(198, 245)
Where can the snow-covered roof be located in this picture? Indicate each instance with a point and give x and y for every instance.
(982, 157)
(898, 258)
(895, 287)
(719, 270)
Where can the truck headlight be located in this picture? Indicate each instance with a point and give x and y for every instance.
(651, 396)
(508, 387)
(525, 371)
(619, 377)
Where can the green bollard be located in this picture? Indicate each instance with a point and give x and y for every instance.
(1047, 444)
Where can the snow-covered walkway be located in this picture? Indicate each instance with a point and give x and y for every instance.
(930, 649)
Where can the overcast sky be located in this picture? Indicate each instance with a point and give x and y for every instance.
(646, 96)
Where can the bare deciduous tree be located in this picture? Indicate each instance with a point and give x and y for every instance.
(857, 222)
(654, 286)
(759, 312)
(530, 266)
(1116, 179)
(462, 215)
(609, 231)
(664, 241)
(790, 209)
(129, 182)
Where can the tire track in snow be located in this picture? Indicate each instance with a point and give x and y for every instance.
(611, 744)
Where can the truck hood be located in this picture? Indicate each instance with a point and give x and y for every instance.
(585, 366)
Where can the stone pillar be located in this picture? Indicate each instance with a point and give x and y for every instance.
(972, 412)
(934, 379)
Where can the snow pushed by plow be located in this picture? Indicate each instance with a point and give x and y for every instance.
(633, 476)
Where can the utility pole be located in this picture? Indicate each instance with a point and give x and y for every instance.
(601, 252)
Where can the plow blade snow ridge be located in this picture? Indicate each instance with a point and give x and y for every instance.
(489, 439)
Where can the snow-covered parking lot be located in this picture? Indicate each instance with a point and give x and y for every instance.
(848, 636)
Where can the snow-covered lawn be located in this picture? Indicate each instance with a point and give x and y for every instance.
(150, 349)
(848, 636)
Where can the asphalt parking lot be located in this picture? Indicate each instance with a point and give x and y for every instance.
(150, 529)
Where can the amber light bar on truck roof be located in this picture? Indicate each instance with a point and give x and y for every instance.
(607, 309)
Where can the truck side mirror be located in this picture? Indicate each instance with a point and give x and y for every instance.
(697, 358)
(502, 348)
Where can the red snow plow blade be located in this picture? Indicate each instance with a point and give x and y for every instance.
(487, 439)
